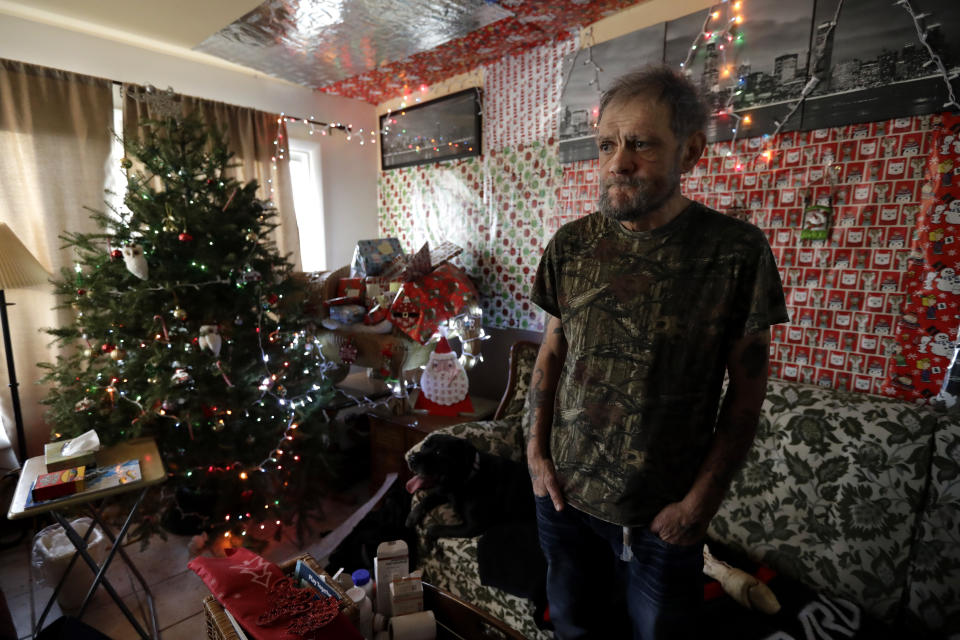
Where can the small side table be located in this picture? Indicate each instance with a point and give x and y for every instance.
(391, 436)
(152, 473)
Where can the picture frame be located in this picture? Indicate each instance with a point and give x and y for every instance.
(443, 129)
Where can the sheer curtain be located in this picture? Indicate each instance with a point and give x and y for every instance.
(55, 132)
(250, 135)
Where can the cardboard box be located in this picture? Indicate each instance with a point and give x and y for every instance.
(406, 595)
(392, 561)
(57, 460)
(58, 484)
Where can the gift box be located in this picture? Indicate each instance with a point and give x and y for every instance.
(422, 305)
(348, 313)
(381, 290)
(58, 484)
(352, 288)
(370, 257)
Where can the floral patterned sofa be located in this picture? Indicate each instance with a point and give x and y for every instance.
(855, 496)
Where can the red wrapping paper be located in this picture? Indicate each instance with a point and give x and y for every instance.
(425, 303)
(240, 582)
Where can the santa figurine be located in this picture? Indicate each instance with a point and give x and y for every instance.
(443, 385)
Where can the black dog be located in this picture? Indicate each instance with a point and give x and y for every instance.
(483, 489)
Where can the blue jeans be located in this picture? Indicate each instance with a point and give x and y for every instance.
(592, 593)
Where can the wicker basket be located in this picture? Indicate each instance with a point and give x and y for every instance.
(219, 627)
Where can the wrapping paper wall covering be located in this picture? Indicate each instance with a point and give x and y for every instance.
(513, 117)
(494, 208)
(534, 24)
(927, 330)
(860, 303)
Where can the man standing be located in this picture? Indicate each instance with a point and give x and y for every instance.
(649, 302)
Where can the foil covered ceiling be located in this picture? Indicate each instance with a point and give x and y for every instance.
(375, 50)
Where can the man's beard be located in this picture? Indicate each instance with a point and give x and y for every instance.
(648, 196)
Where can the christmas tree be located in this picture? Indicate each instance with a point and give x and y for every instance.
(188, 329)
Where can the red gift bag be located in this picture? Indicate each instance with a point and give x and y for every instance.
(434, 298)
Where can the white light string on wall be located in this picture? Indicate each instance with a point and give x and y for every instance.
(922, 35)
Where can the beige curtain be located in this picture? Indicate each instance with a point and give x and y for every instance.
(55, 133)
(250, 135)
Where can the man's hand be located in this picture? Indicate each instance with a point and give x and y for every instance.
(543, 475)
(679, 524)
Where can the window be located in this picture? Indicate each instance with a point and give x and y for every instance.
(305, 180)
(116, 186)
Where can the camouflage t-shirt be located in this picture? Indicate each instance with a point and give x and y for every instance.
(649, 318)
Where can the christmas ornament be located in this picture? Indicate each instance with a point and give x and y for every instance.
(348, 351)
(107, 347)
(444, 384)
(116, 254)
(125, 163)
(169, 225)
(252, 237)
(118, 354)
(83, 405)
(210, 338)
(136, 262)
(181, 377)
(88, 353)
(185, 237)
(178, 313)
(81, 292)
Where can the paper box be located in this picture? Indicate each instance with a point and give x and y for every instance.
(380, 290)
(392, 561)
(352, 288)
(75, 452)
(406, 595)
(58, 484)
(371, 256)
(348, 313)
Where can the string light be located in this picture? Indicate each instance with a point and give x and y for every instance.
(935, 59)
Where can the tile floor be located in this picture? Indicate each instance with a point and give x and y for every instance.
(178, 593)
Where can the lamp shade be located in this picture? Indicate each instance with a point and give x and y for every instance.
(18, 267)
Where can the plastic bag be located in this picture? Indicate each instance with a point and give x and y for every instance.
(51, 554)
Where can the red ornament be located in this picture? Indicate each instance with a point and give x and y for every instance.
(116, 254)
(81, 292)
(185, 237)
(107, 347)
(272, 298)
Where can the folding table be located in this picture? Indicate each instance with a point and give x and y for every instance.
(152, 473)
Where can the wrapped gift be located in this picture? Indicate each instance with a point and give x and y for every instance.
(422, 305)
(351, 288)
(348, 313)
(380, 290)
(371, 256)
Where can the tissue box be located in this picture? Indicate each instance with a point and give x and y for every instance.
(58, 484)
(371, 256)
(55, 459)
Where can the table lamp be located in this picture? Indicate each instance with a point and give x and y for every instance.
(18, 268)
